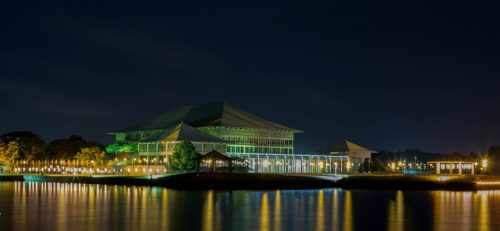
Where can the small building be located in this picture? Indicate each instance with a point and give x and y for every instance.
(356, 153)
(453, 167)
(212, 159)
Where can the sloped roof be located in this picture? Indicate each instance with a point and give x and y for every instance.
(181, 132)
(205, 115)
(345, 147)
(214, 155)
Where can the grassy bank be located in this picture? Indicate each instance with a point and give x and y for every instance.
(277, 181)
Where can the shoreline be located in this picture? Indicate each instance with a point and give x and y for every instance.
(261, 181)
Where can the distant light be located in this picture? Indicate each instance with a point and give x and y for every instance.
(485, 163)
(489, 183)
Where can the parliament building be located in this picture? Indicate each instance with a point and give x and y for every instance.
(266, 146)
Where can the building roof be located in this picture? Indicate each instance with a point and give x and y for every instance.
(206, 115)
(214, 155)
(180, 132)
(345, 147)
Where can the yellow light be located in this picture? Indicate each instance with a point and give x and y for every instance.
(485, 163)
(443, 178)
(393, 166)
(321, 164)
(348, 165)
(488, 183)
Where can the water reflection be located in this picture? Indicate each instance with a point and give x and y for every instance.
(396, 215)
(264, 213)
(61, 206)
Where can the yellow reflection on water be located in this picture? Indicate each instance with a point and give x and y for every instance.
(335, 210)
(320, 213)
(208, 212)
(396, 213)
(277, 211)
(61, 219)
(164, 211)
(348, 212)
(484, 218)
(464, 210)
(91, 221)
(264, 214)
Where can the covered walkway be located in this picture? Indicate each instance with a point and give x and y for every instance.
(294, 163)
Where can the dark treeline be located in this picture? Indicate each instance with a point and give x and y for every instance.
(492, 155)
(422, 156)
(25, 145)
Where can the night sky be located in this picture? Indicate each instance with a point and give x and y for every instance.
(386, 75)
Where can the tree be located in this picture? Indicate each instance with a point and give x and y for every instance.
(475, 156)
(182, 158)
(66, 148)
(493, 157)
(365, 166)
(9, 152)
(374, 165)
(378, 166)
(95, 154)
(31, 147)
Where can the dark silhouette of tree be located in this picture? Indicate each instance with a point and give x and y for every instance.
(65, 148)
(372, 165)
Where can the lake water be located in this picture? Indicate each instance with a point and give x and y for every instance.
(64, 206)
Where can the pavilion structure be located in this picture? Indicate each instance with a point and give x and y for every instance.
(355, 153)
(212, 159)
(453, 167)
